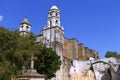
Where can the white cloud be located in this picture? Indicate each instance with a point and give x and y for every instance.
(1, 18)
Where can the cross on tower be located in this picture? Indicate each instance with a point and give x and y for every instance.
(32, 61)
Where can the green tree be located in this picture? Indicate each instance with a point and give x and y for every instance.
(49, 62)
(7, 48)
(112, 54)
(16, 51)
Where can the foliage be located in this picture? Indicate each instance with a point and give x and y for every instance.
(112, 54)
(7, 48)
(49, 62)
(16, 51)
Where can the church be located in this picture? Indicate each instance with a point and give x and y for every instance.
(52, 36)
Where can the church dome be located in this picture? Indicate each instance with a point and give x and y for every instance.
(54, 7)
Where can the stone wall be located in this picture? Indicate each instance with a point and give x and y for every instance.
(81, 52)
(88, 75)
(74, 50)
(101, 69)
(70, 48)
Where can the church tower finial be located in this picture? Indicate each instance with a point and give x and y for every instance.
(54, 17)
(25, 27)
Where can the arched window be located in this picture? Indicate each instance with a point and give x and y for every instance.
(50, 23)
(21, 26)
(50, 14)
(56, 14)
(57, 22)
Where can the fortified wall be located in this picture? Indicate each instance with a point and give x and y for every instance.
(74, 50)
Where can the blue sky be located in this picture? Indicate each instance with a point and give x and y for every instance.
(96, 23)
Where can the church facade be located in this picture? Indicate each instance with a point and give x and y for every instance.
(52, 36)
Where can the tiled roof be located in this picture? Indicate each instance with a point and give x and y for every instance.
(25, 20)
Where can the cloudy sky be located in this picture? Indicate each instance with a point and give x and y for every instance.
(96, 23)
(1, 18)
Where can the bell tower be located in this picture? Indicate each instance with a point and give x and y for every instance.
(54, 17)
(52, 36)
(56, 32)
(25, 27)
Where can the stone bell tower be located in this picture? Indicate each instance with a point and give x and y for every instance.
(25, 27)
(54, 17)
(56, 36)
(56, 31)
(52, 36)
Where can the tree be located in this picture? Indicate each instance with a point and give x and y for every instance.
(16, 51)
(49, 61)
(112, 54)
(7, 48)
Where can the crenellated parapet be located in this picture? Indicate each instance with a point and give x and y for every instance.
(74, 50)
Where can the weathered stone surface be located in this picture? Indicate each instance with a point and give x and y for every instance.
(74, 50)
(103, 69)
